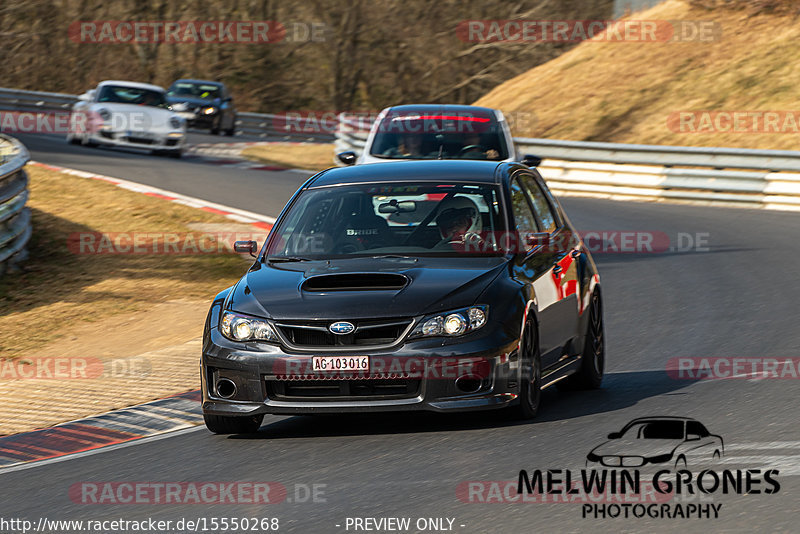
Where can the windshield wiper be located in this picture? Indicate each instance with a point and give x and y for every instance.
(282, 259)
(393, 256)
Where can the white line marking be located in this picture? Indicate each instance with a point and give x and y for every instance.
(141, 188)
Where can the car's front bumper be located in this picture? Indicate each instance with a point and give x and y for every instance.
(265, 374)
(198, 120)
(145, 140)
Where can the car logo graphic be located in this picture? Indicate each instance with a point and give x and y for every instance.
(673, 441)
(342, 328)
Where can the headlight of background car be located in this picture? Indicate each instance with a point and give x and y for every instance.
(209, 110)
(175, 122)
(453, 323)
(240, 327)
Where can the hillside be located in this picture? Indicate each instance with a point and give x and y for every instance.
(636, 92)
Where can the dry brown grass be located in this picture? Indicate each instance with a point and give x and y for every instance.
(625, 92)
(311, 156)
(60, 292)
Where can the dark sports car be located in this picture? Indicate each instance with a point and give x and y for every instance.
(423, 285)
(204, 104)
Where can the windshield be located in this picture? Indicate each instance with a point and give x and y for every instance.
(439, 136)
(195, 90)
(655, 430)
(432, 219)
(132, 95)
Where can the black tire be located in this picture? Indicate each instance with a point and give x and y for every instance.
(530, 387)
(175, 154)
(590, 374)
(215, 126)
(223, 424)
(72, 140)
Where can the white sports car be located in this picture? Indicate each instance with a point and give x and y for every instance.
(127, 114)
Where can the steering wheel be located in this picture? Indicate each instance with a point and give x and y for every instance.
(471, 148)
(469, 239)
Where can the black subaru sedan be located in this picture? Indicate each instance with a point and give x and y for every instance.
(420, 285)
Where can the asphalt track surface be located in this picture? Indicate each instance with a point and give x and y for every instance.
(736, 299)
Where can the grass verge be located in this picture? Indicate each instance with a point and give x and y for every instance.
(311, 156)
(636, 92)
(60, 290)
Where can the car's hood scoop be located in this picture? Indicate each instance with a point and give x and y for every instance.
(355, 282)
(359, 288)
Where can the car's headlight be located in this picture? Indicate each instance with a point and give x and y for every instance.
(175, 122)
(660, 459)
(240, 327)
(210, 110)
(104, 114)
(453, 323)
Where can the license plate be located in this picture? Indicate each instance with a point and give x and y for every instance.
(340, 363)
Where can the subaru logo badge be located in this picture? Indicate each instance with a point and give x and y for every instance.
(342, 328)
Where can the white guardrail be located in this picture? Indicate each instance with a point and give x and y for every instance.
(15, 218)
(757, 178)
(264, 125)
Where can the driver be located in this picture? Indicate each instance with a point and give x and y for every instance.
(476, 150)
(410, 147)
(459, 221)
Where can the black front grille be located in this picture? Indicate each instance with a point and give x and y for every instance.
(367, 333)
(140, 140)
(376, 389)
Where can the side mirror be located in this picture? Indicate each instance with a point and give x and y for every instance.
(531, 161)
(348, 158)
(227, 99)
(537, 238)
(246, 247)
(614, 435)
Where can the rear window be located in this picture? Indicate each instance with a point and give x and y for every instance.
(439, 136)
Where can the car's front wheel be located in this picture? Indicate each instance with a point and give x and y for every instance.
(224, 424)
(232, 130)
(530, 388)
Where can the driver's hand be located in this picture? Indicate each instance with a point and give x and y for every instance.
(492, 154)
